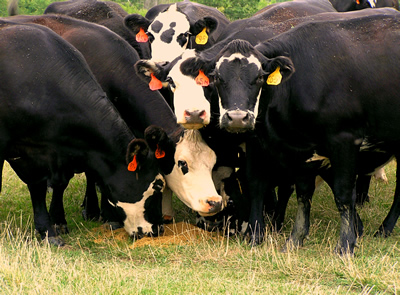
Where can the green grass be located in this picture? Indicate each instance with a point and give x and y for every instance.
(211, 266)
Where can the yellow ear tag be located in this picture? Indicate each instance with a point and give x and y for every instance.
(202, 37)
(275, 78)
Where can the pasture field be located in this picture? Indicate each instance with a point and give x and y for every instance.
(98, 261)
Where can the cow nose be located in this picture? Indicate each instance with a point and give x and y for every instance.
(215, 207)
(194, 119)
(237, 121)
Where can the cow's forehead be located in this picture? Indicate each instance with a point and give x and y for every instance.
(170, 20)
(238, 56)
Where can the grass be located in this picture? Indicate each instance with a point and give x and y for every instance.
(209, 266)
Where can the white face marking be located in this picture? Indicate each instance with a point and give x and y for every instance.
(251, 60)
(188, 96)
(195, 187)
(135, 211)
(160, 50)
(372, 3)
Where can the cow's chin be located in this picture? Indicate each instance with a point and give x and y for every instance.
(192, 125)
(206, 214)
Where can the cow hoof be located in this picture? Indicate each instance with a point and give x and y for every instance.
(56, 241)
(381, 233)
(61, 229)
(87, 216)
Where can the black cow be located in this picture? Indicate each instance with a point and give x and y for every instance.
(56, 120)
(307, 108)
(351, 5)
(106, 53)
(107, 13)
(172, 28)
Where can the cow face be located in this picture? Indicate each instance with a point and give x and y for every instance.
(171, 32)
(189, 173)
(143, 215)
(191, 106)
(240, 74)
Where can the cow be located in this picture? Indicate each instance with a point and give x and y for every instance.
(126, 92)
(172, 28)
(303, 109)
(57, 121)
(351, 5)
(107, 13)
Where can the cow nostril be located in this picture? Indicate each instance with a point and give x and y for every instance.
(187, 113)
(202, 114)
(214, 206)
(246, 118)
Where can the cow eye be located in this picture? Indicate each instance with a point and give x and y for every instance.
(171, 83)
(151, 37)
(182, 39)
(184, 167)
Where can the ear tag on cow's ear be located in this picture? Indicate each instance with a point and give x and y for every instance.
(202, 79)
(154, 84)
(275, 78)
(142, 37)
(159, 153)
(133, 165)
(202, 37)
(358, 1)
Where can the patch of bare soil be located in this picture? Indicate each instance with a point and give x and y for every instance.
(181, 233)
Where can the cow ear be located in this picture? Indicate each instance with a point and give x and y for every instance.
(135, 22)
(136, 153)
(192, 67)
(152, 73)
(202, 29)
(278, 69)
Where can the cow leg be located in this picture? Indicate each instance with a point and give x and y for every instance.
(388, 224)
(284, 193)
(57, 213)
(362, 187)
(343, 157)
(257, 181)
(91, 209)
(40, 215)
(305, 186)
(167, 209)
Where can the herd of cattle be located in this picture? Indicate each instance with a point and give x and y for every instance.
(224, 114)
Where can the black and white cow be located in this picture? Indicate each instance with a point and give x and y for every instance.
(305, 109)
(57, 121)
(350, 5)
(173, 28)
(105, 52)
(107, 13)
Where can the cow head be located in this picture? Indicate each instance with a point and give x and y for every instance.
(171, 32)
(142, 215)
(240, 74)
(189, 173)
(191, 106)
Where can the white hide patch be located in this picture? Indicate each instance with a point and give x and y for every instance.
(251, 60)
(372, 3)
(171, 20)
(135, 211)
(188, 96)
(195, 187)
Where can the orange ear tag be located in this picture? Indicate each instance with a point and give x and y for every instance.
(202, 79)
(154, 84)
(159, 153)
(142, 37)
(275, 78)
(132, 165)
(358, 1)
(202, 37)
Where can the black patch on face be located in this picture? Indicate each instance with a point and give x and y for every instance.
(156, 26)
(167, 35)
(172, 25)
(184, 167)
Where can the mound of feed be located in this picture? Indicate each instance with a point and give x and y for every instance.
(181, 233)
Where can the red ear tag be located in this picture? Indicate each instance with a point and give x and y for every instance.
(142, 37)
(154, 84)
(132, 165)
(202, 79)
(159, 153)
(358, 1)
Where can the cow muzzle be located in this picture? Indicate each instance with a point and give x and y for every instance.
(211, 206)
(195, 119)
(237, 121)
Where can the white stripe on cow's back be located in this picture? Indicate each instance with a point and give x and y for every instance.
(135, 211)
